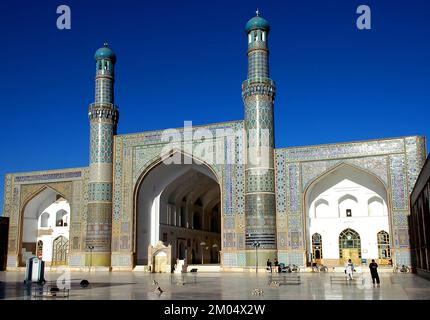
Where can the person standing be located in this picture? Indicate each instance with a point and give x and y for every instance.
(269, 265)
(276, 265)
(349, 269)
(373, 266)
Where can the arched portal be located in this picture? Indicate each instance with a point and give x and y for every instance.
(350, 246)
(44, 218)
(346, 197)
(60, 251)
(171, 204)
(317, 248)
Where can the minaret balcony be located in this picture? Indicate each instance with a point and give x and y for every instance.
(100, 110)
(258, 85)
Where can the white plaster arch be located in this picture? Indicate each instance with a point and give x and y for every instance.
(148, 192)
(345, 187)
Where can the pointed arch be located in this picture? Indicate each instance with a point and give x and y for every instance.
(166, 188)
(32, 208)
(346, 176)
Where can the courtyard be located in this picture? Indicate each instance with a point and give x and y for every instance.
(220, 286)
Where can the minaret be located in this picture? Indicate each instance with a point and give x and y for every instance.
(103, 115)
(258, 93)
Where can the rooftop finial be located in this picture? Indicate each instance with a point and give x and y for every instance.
(106, 44)
(257, 12)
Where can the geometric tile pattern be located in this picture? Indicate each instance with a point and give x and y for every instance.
(101, 142)
(100, 191)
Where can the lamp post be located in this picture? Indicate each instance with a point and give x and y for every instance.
(91, 248)
(216, 247)
(256, 244)
(203, 247)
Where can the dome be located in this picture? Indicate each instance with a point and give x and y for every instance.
(105, 53)
(257, 23)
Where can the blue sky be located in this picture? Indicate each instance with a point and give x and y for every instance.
(185, 60)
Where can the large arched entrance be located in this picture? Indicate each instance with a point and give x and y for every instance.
(180, 205)
(45, 217)
(345, 198)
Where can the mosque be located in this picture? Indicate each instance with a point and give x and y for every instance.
(135, 207)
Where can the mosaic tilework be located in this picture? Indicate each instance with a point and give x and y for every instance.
(100, 191)
(398, 182)
(282, 240)
(241, 259)
(294, 258)
(7, 196)
(260, 181)
(280, 183)
(136, 152)
(121, 260)
(293, 187)
(282, 257)
(314, 169)
(403, 258)
(259, 122)
(230, 259)
(414, 159)
(401, 238)
(400, 218)
(345, 150)
(258, 65)
(229, 240)
(104, 90)
(48, 176)
(101, 139)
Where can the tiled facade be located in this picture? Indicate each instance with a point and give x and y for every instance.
(259, 202)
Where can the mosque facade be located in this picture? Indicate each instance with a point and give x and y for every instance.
(145, 200)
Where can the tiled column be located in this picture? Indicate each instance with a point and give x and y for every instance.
(103, 116)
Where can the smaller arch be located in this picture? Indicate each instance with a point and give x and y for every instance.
(375, 207)
(44, 220)
(384, 249)
(321, 208)
(39, 249)
(347, 205)
(60, 218)
(60, 250)
(317, 247)
(349, 244)
(197, 221)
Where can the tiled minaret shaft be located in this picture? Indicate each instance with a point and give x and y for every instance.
(103, 116)
(258, 93)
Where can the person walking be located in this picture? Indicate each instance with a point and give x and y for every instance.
(269, 265)
(373, 266)
(349, 269)
(276, 265)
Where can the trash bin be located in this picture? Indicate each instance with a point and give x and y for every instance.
(35, 270)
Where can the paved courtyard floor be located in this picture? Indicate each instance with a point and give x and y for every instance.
(222, 286)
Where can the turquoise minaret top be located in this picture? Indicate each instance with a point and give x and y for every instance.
(257, 23)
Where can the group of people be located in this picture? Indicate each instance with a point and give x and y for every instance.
(269, 265)
(349, 269)
(373, 266)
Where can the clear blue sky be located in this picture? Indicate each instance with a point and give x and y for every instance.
(185, 60)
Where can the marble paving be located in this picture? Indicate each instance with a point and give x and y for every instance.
(221, 286)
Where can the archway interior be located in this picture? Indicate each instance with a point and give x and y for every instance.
(179, 204)
(46, 217)
(344, 198)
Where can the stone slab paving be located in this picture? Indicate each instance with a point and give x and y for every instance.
(222, 286)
